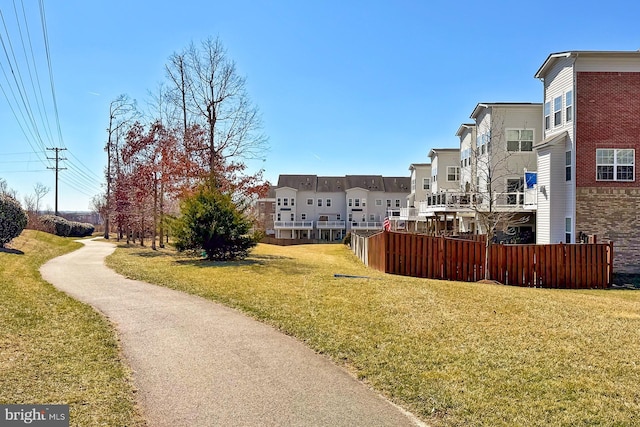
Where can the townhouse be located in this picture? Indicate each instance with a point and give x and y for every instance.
(326, 208)
(587, 180)
(485, 178)
(420, 188)
(265, 212)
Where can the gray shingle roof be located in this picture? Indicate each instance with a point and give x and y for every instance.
(299, 182)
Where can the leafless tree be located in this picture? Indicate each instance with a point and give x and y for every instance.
(40, 191)
(122, 112)
(209, 91)
(497, 194)
(5, 190)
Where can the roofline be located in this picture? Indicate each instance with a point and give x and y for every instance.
(464, 126)
(436, 150)
(413, 165)
(575, 53)
(482, 105)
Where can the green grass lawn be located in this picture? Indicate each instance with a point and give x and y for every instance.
(53, 349)
(455, 354)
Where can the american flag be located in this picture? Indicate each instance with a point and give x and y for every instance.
(386, 224)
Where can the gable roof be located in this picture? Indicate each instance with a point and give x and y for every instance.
(465, 126)
(484, 105)
(552, 58)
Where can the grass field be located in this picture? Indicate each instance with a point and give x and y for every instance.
(54, 350)
(455, 354)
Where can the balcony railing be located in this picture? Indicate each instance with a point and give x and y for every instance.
(293, 225)
(332, 225)
(366, 225)
(408, 214)
(460, 202)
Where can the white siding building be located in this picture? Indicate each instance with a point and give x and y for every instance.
(326, 208)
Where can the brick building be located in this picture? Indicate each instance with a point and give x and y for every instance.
(587, 179)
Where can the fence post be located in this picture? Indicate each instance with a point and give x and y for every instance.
(610, 264)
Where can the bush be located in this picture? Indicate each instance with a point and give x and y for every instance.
(212, 223)
(347, 239)
(12, 219)
(62, 227)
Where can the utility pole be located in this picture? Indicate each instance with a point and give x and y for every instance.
(57, 158)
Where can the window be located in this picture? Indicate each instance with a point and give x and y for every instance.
(279, 216)
(568, 106)
(378, 202)
(426, 183)
(397, 203)
(557, 111)
(615, 165)
(319, 202)
(350, 202)
(434, 175)
(285, 202)
(364, 202)
(453, 173)
(338, 217)
(293, 201)
(350, 217)
(519, 140)
(292, 216)
(567, 166)
(357, 203)
(372, 217)
(388, 203)
(413, 184)
(547, 115)
(309, 202)
(279, 201)
(328, 202)
(303, 216)
(567, 230)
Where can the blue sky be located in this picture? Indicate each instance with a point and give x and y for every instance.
(344, 87)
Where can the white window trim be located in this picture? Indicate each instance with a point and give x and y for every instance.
(520, 140)
(556, 111)
(568, 106)
(309, 202)
(616, 165)
(426, 181)
(456, 173)
(547, 115)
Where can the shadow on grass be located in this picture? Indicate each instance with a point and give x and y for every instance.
(250, 261)
(11, 251)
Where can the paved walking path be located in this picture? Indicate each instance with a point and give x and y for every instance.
(197, 363)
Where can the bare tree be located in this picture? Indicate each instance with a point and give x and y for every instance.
(209, 91)
(40, 191)
(497, 195)
(5, 190)
(122, 111)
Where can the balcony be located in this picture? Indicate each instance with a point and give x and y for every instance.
(331, 225)
(366, 225)
(293, 225)
(408, 214)
(526, 201)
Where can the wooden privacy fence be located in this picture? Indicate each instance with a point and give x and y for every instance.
(576, 266)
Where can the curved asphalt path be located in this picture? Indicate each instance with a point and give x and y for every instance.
(197, 363)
